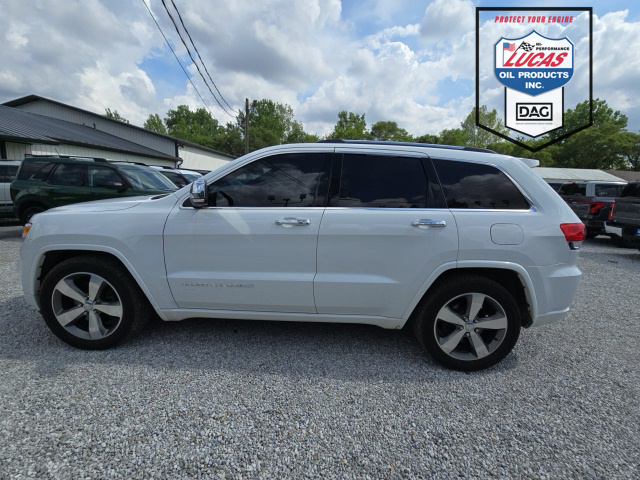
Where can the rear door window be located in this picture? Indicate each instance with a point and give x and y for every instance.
(381, 181)
(68, 174)
(477, 186)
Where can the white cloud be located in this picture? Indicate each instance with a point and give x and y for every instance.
(304, 53)
(445, 19)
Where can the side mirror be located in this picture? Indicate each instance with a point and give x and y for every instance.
(198, 196)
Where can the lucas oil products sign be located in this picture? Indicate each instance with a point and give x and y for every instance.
(529, 53)
(534, 68)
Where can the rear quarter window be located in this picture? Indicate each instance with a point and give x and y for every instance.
(604, 190)
(35, 170)
(477, 186)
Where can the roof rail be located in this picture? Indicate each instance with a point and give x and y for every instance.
(130, 162)
(71, 157)
(408, 144)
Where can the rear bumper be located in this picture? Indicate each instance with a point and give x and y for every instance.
(555, 287)
(628, 232)
(613, 229)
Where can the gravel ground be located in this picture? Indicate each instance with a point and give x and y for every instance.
(231, 399)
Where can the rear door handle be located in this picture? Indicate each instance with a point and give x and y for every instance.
(427, 222)
(293, 222)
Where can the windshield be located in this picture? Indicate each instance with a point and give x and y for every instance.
(146, 178)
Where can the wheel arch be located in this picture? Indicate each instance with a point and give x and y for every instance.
(513, 277)
(53, 257)
(22, 207)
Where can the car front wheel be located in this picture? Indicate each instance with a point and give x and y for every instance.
(92, 303)
(30, 212)
(468, 323)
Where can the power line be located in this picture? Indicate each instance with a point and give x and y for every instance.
(201, 60)
(177, 59)
(192, 59)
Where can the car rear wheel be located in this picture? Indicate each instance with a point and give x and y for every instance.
(468, 323)
(92, 303)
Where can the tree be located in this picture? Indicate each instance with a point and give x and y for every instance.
(155, 124)
(631, 150)
(198, 127)
(427, 138)
(389, 131)
(477, 136)
(579, 117)
(271, 123)
(350, 126)
(114, 115)
(603, 145)
(298, 135)
(453, 136)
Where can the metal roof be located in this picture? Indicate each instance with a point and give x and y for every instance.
(21, 126)
(628, 175)
(34, 98)
(570, 174)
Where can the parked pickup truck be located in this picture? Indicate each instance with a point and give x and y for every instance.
(624, 220)
(591, 202)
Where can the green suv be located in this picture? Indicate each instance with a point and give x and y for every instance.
(47, 182)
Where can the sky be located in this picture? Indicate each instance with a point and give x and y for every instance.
(408, 61)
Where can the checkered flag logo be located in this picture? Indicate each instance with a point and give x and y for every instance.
(527, 47)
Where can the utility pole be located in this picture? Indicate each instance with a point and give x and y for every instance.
(246, 126)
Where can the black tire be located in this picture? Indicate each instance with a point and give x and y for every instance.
(117, 292)
(457, 293)
(592, 233)
(30, 212)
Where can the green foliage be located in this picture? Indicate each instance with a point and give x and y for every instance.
(605, 145)
(199, 126)
(427, 138)
(271, 123)
(630, 147)
(477, 136)
(350, 126)
(389, 131)
(155, 124)
(114, 115)
(453, 136)
(601, 146)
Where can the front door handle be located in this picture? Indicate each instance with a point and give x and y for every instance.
(427, 222)
(291, 222)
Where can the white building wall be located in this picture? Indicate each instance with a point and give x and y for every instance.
(48, 109)
(201, 159)
(43, 149)
(17, 151)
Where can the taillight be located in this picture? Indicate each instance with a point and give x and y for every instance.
(613, 209)
(595, 207)
(574, 233)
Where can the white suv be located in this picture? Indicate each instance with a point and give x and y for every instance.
(467, 246)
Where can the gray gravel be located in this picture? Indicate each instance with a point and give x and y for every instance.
(231, 399)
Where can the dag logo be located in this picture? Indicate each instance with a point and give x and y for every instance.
(534, 64)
